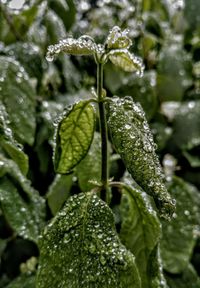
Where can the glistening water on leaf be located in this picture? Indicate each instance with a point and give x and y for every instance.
(74, 135)
(80, 248)
(134, 142)
(140, 232)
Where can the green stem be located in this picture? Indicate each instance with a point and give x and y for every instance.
(103, 131)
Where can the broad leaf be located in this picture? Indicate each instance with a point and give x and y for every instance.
(134, 142)
(55, 26)
(173, 77)
(126, 61)
(187, 119)
(59, 191)
(140, 232)
(23, 281)
(188, 277)
(80, 248)
(89, 168)
(74, 135)
(22, 207)
(66, 11)
(19, 98)
(9, 145)
(179, 236)
(29, 55)
(191, 13)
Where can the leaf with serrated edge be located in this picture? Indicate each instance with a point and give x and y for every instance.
(140, 232)
(126, 61)
(179, 235)
(133, 140)
(74, 135)
(80, 248)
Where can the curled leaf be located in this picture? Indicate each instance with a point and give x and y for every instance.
(74, 135)
(84, 45)
(134, 142)
(118, 39)
(126, 61)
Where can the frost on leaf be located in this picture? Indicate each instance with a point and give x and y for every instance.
(84, 45)
(74, 135)
(134, 142)
(80, 248)
(126, 61)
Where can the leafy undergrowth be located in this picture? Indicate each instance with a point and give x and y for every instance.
(82, 241)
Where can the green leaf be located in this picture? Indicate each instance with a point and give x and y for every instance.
(123, 59)
(118, 39)
(194, 160)
(19, 98)
(88, 169)
(9, 145)
(59, 191)
(173, 77)
(66, 11)
(29, 55)
(188, 277)
(80, 248)
(134, 142)
(20, 21)
(179, 236)
(191, 13)
(74, 135)
(21, 205)
(84, 45)
(23, 281)
(142, 90)
(55, 26)
(140, 232)
(187, 119)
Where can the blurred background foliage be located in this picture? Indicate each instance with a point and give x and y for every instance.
(166, 34)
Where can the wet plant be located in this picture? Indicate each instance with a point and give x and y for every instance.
(80, 247)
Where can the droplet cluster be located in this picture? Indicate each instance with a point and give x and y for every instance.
(127, 61)
(82, 46)
(118, 39)
(80, 248)
(134, 142)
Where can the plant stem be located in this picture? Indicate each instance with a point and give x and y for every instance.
(103, 131)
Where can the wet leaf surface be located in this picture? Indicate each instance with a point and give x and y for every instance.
(59, 191)
(188, 277)
(88, 169)
(11, 147)
(134, 142)
(19, 98)
(80, 248)
(74, 136)
(22, 207)
(179, 235)
(140, 233)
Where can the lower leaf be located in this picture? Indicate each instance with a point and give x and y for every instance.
(80, 248)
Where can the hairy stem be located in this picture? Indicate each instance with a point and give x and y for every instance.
(103, 131)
